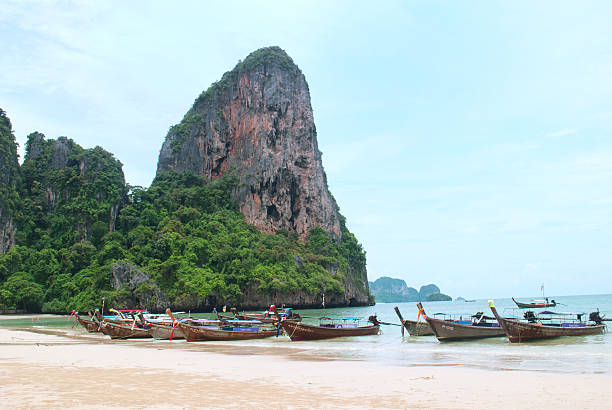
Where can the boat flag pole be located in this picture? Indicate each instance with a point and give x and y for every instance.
(323, 303)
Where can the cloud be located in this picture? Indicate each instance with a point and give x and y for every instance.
(561, 133)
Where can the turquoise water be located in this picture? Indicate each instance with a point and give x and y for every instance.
(585, 354)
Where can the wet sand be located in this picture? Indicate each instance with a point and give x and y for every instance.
(65, 368)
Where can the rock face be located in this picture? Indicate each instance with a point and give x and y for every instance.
(257, 122)
(59, 176)
(141, 290)
(9, 181)
(387, 289)
(438, 297)
(427, 290)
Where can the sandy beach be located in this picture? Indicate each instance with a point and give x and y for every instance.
(47, 368)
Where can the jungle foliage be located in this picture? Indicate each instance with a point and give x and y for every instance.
(77, 217)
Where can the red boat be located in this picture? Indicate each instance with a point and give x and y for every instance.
(535, 304)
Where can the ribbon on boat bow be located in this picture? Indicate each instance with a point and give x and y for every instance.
(173, 327)
(69, 317)
(421, 313)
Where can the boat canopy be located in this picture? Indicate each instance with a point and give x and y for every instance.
(548, 312)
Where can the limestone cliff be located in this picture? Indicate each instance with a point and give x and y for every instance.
(72, 190)
(9, 180)
(386, 289)
(257, 121)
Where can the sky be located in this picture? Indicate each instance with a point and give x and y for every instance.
(468, 144)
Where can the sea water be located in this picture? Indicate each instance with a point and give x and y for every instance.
(582, 354)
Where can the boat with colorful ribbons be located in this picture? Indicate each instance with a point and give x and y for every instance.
(161, 327)
(90, 325)
(199, 330)
(547, 325)
(476, 326)
(272, 315)
(414, 327)
(330, 327)
(123, 329)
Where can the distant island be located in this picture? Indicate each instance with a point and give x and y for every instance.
(386, 289)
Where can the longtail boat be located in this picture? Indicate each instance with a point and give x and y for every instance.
(161, 327)
(414, 327)
(122, 330)
(165, 331)
(536, 304)
(223, 330)
(478, 327)
(271, 315)
(330, 327)
(535, 327)
(90, 325)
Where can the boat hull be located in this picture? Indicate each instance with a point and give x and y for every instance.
(446, 330)
(420, 329)
(89, 325)
(117, 331)
(165, 332)
(196, 333)
(519, 332)
(302, 331)
(522, 305)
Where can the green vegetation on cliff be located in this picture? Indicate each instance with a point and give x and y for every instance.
(70, 193)
(9, 169)
(185, 234)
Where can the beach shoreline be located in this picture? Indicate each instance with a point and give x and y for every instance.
(43, 367)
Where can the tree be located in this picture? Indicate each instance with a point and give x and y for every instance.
(24, 292)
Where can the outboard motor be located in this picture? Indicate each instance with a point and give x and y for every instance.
(596, 317)
(530, 316)
(374, 320)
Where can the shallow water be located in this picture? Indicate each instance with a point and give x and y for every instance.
(585, 354)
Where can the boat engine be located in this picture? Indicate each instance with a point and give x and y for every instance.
(530, 316)
(374, 320)
(596, 317)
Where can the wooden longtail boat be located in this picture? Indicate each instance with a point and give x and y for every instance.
(446, 330)
(90, 325)
(272, 315)
(263, 319)
(224, 330)
(165, 331)
(413, 327)
(520, 331)
(535, 304)
(122, 330)
(329, 328)
(161, 327)
(302, 331)
(194, 333)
